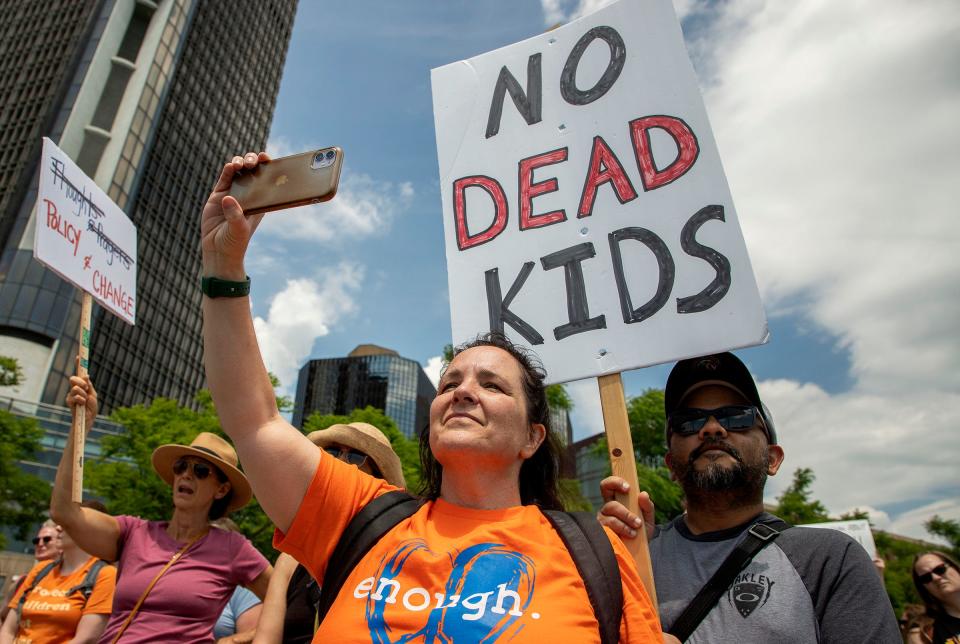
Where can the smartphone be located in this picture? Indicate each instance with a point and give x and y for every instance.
(288, 182)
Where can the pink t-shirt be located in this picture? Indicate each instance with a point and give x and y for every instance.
(186, 601)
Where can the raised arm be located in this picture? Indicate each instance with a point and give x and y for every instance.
(95, 532)
(270, 625)
(278, 459)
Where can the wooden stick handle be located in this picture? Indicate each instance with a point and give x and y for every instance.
(79, 426)
(624, 464)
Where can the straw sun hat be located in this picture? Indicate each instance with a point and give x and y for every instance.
(363, 437)
(217, 451)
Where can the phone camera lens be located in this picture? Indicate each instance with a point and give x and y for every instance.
(318, 158)
(331, 154)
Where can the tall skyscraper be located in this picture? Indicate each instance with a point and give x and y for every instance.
(369, 376)
(150, 98)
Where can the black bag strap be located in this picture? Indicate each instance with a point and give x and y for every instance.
(89, 580)
(33, 584)
(365, 529)
(756, 539)
(591, 551)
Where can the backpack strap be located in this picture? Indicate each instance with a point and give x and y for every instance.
(591, 551)
(33, 584)
(756, 539)
(366, 528)
(89, 580)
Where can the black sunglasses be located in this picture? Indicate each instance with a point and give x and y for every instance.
(735, 418)
(927, 577)
(37, 540)
(200, 470)
(354, 458)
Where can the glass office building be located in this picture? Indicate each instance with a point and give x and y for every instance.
(149, 97)
(369, 376)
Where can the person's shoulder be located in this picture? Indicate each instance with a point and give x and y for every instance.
(817, 540)
(107, 571)
(128, 522)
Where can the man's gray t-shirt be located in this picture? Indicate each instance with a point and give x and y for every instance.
(806, 586)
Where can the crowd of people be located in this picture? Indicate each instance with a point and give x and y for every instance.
(484, 551)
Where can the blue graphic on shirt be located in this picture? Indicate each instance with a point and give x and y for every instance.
(488, 590)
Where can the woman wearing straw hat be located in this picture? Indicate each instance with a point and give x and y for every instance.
(290, 610)
(174, 576)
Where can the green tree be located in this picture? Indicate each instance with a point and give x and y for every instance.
(405, 448)
(795, 505)
(667, 496)
(948, 529)
(648, 424)
(572, 497)
(24, 498)
(11, 374)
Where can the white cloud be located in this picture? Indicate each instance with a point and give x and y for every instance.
(302, 312)
(911, 523)
(837, 126)
(432, 369)
(564, 11)
(363, 207)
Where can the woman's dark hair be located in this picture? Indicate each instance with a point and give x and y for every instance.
(539, 473)
(934, 607)
(219, 507)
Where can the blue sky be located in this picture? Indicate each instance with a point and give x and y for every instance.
(836, 123)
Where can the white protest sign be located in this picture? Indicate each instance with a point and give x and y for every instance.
(859, 529)
(586, 212)
(83, 236)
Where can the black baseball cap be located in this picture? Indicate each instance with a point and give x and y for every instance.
(724, 369)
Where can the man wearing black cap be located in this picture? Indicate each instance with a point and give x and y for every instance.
(746, 575)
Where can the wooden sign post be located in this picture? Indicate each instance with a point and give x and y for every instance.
(86, 239)
(623, 463)
(79, 411)
(586, 212)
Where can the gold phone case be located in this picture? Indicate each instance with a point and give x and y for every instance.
(288, 182)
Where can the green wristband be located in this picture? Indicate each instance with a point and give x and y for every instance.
(216, 287)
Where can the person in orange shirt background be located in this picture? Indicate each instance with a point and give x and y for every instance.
(68, 599)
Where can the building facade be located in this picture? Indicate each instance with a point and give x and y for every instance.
(150, 98)
(368, 376)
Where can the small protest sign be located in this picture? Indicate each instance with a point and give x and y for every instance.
(83, 236)
(586, 212)
(859, 529)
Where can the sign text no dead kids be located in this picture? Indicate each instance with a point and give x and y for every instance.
(586, 212)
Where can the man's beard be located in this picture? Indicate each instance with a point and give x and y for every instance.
(737, 485)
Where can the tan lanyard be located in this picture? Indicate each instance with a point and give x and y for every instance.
(146, 592)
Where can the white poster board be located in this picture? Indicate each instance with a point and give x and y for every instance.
(83, 236)
(586, 212)
(859, 529)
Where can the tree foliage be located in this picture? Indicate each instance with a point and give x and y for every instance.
(24, 498)
(666, 494)
(405, 448)
(948, 529)
(11, 374)
(795, 505)
(648, 424)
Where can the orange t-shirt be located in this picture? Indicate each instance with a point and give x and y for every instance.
(51, 616)
(454, 574)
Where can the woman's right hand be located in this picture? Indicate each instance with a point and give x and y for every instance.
(83, 394)
(225, 231)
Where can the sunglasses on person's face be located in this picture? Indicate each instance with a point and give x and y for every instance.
(344, 454)
(200, 470)
(734, 418)
(927, 577)
(45, 540)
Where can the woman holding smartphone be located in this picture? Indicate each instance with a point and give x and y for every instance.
(478, 561)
